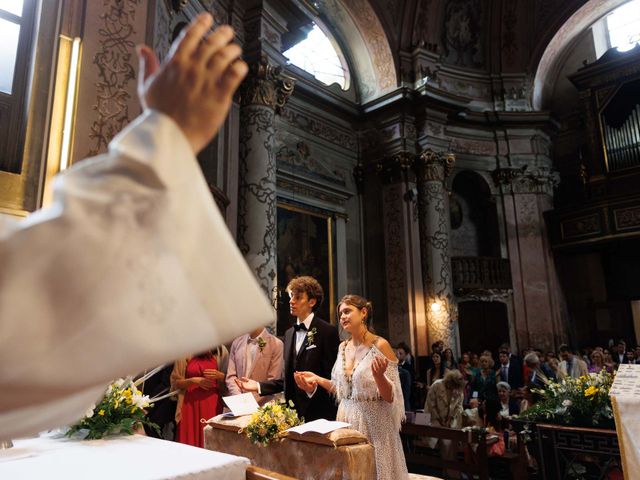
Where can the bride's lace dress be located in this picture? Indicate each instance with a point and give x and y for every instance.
(362, 406)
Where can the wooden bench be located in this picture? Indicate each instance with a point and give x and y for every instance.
(472, 459)
(473, 449)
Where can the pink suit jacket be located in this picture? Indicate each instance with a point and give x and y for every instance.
(268, 363)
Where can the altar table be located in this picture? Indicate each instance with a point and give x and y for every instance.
(135, 456)
(298, 459)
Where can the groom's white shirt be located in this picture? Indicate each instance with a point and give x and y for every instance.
(131, 266)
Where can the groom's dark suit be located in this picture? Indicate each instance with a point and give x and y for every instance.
(317, 357)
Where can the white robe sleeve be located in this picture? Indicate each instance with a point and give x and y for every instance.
(132, 266)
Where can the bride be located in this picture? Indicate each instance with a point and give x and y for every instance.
(366, 382)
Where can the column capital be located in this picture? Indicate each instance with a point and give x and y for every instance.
(433, 166)
(266, 85)
(539, 180)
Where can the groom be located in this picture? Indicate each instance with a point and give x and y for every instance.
(310, 345)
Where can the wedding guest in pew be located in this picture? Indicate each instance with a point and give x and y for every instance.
(199, 380)
(257, 355)
(309, 345)
(366, 383)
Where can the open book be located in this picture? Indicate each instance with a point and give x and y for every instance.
(320, 426)
(242, 404)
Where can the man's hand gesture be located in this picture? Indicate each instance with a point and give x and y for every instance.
(196, 83)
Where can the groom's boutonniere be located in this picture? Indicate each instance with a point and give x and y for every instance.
(261, 344)
(311, 335)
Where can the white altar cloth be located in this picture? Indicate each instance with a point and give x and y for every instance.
(135, 456)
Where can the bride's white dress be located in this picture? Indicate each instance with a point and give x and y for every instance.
(362, 406)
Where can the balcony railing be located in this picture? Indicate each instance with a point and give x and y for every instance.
(481, 273)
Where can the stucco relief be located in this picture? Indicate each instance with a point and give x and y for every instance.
(524, 180)
(115, 61)
(319, 128)
(300, 159)
(462, 40)
(477, 147)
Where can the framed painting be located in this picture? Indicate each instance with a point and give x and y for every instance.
(305, 247)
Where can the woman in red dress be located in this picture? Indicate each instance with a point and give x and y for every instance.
(197, 379)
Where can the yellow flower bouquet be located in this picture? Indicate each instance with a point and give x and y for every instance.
(270, 420)
(121, 411)
(580, 402)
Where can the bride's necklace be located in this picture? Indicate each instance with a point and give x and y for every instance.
(356, 360)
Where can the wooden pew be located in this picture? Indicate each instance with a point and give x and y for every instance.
(471, 461)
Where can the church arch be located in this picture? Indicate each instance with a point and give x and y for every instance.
(363, 40)
(554, 54)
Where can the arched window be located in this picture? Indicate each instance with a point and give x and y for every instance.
(623, 26)
(317, 55)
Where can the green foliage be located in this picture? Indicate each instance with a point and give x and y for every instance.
(121, 411)
(582, 402)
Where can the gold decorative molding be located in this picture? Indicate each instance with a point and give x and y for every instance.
(266, 86)
(434, 166)
(524, 180)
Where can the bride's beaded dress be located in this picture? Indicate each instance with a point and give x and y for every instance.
(362, 406)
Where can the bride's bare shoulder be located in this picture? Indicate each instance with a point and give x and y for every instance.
(385, 348)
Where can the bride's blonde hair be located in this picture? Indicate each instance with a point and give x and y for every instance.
(360, 303)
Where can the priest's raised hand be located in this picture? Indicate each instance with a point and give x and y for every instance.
(132, 265)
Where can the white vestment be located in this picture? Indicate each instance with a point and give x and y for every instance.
(132, 266)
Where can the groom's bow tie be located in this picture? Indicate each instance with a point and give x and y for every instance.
(300, 326)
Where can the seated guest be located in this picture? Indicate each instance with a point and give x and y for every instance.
(437, 370)
(554, 366)
(510, 369)
(444, 404)
(258, 356)
(619, 356)
(637, 352)
(631, 357)
(485, 378)
(449, 360)
(540, 374)
(597, 362)
(571, 365)
(509, 407)
(197, 380)
(444, 401)
(405, 359)
(608, 360)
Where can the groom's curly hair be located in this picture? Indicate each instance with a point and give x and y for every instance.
(308, 285)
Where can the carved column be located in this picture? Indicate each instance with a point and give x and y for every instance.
(432, 169)
(263, 94)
